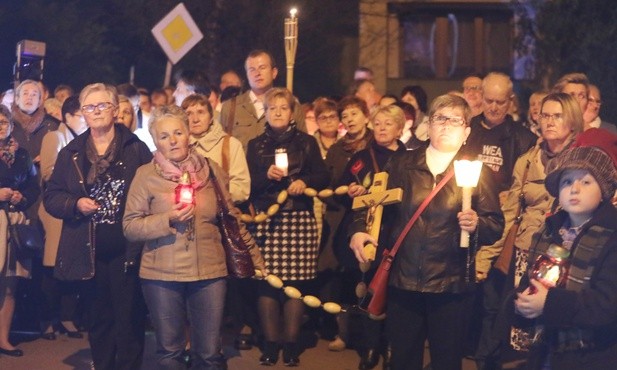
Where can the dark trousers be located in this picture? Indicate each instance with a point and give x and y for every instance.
(414, 317)
(487, 353)
(117, 316)
(61, 297)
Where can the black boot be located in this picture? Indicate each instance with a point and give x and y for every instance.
(270, 354)
(369, 359)
(291, 354)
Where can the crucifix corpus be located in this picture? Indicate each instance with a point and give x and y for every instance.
(377, 197)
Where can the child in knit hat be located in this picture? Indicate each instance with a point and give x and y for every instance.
(578, 314)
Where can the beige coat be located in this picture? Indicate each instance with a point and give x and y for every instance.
(211, 145)
(53, 141)
(538, 204)
(168, 253)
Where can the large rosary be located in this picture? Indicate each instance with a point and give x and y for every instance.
(377, 197)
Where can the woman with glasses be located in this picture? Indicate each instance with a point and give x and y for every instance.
(88, 190)
(388, 123)
(18, 191)
(560, 120)
(431, 279)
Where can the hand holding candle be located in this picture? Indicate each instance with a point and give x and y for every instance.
(281, 161)
(467, 175)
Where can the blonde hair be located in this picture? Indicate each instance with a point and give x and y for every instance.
(96, 87)
(392, 111)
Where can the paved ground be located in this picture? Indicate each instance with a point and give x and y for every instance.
(66, 353)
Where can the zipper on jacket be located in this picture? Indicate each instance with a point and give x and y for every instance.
(91, 225)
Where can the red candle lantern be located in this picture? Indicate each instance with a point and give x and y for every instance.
(184, 190)
(551, 269)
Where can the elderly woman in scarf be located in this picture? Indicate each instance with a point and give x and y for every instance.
(18, 190)
(87, 190)
(183, 267)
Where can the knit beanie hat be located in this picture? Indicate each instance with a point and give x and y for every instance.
(595, 160)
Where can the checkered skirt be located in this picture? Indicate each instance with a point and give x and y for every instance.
(289, 244)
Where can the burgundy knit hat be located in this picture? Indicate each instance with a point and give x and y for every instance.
(595, 160)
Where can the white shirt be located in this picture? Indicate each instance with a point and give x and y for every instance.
(258, 104)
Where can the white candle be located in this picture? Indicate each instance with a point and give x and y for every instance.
(280, 160)
(467, 175)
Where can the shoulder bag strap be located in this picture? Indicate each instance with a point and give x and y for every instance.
(220, 198)
(521, 195)
(419, 211)
(232, 112)
(225, 154)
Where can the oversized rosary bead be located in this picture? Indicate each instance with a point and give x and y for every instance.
(261, 217)
(282, 197)
(311, 301)
(274, 281)
(361, 289)
(325, 193)
(331, 307)
(343, 189)
(292, 292)
(364, 266)
(272, 210)
(310, 192)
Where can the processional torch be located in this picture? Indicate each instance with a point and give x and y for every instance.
(291, 45)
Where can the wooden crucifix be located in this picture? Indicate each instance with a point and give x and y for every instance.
(377, 197)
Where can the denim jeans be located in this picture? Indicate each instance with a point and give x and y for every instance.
(171, 305)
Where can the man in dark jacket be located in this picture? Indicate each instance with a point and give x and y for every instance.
(495, 138)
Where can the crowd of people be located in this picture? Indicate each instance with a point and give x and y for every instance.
(102, 172)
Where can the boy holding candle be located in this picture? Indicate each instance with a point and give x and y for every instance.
(577, 315)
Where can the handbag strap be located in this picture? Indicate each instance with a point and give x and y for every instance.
(220, 198)
(229, 125)
(521, 195)
(419, 211)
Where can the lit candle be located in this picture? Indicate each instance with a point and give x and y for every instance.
(184, 190)
(467, 176)
(280, 160)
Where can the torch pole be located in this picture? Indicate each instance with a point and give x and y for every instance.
(291, 45)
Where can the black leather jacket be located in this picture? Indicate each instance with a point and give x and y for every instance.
(76, 250)
(305, 163)
(430, 259)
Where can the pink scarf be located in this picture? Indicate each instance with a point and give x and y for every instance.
(194, 163)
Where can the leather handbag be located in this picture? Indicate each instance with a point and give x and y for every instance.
(237, 251)
(375, 300)
(26, 239)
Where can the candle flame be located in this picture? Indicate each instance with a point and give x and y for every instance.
(293, 12)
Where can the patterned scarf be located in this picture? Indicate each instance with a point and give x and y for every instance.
(194, 164)
(29, 122)
(354, 146)
(100, 163)
(8, 148)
